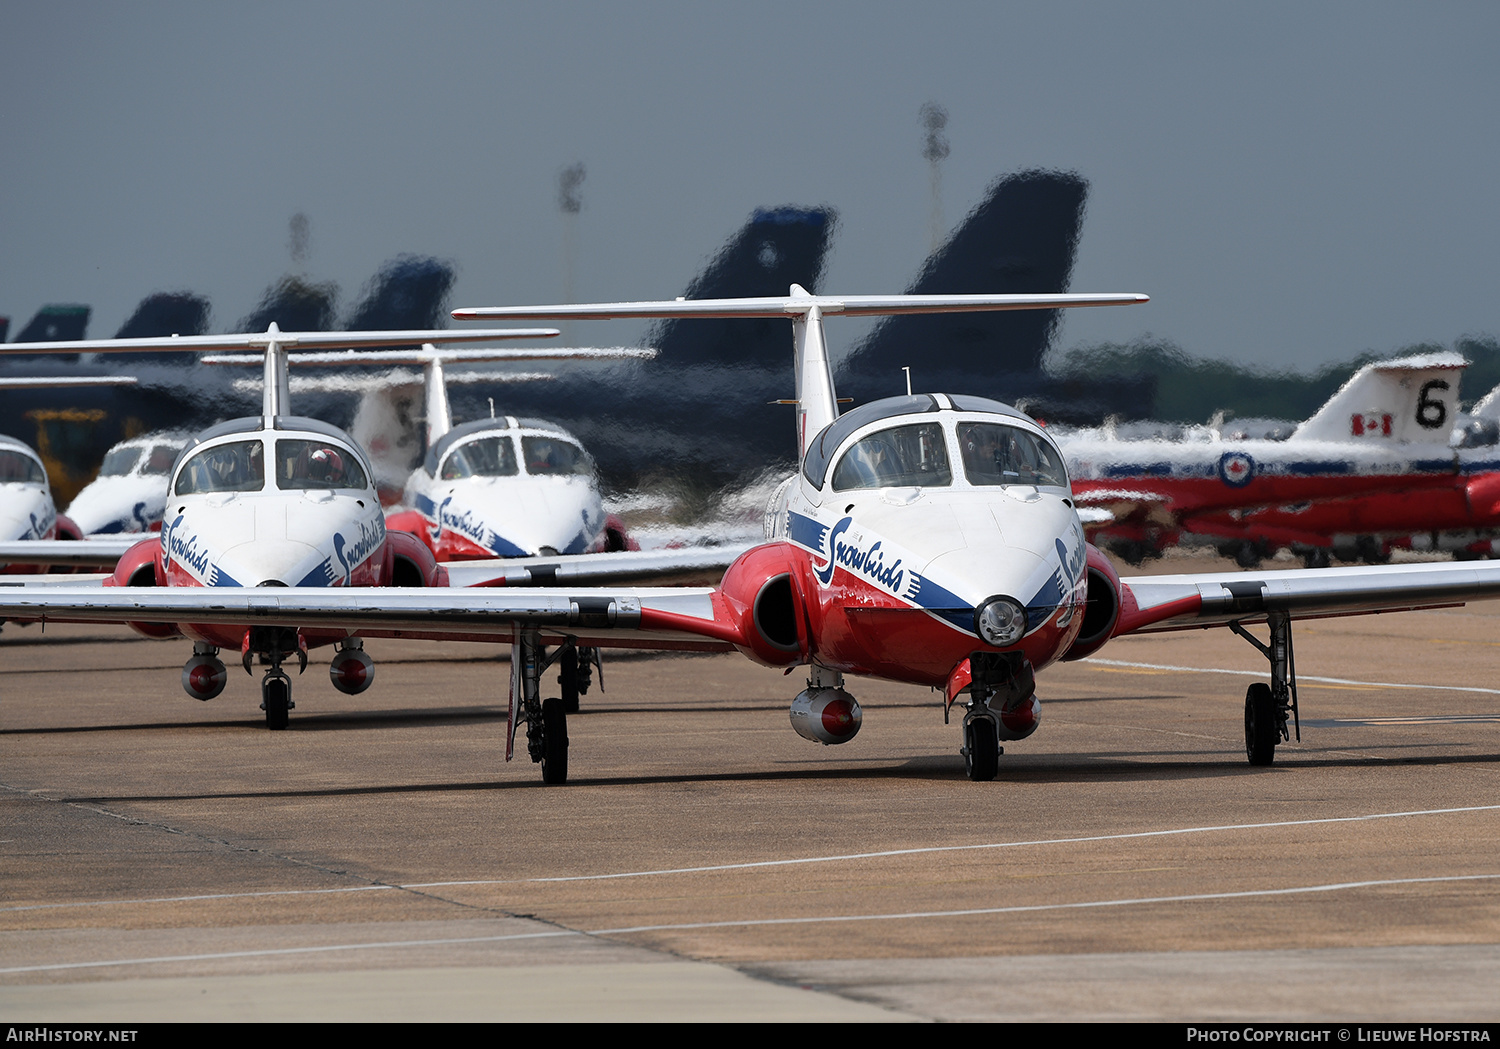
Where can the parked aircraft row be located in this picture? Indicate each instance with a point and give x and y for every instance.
(664, 417)
(929, 538)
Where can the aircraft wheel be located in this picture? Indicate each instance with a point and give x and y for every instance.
(982, 753)
(1261, 732)
(568, 679)
(554, 741)
(1246, 555)
(1317, 557)
(276, 701)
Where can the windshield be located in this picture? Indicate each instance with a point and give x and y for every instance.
(236, 467)
(550, 455)
(314, 464)
(16, 468)
(997, 454)
(899, 457)
(486, 457)
(120, 461)
(160, 461)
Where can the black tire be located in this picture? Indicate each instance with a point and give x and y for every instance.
(1261, 731)
(568, 680)
(276, 698)
(1247, 555)
(554, 741)
(1317, 557)
(982, 754)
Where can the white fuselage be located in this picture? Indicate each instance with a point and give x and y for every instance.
(958, 534)
(130, 493)
(26, 508)
(231, 521)
(507, 488)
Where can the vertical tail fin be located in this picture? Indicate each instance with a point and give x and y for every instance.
(1021, 239)
(817, 404)
(1411, 400)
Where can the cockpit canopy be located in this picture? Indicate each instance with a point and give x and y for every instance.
(460, 454)
(16, 467)
(918, 453)
(150, 459)
(306, 462)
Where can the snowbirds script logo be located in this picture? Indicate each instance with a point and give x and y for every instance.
(853, 556)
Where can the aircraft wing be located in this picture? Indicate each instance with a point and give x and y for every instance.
(94, 552)
(646, 617)
(1183, 602)
(675, 567)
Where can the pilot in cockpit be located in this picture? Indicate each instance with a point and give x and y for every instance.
(237, 467)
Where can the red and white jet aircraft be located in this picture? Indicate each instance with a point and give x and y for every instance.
(930, 539)
(1386, 431)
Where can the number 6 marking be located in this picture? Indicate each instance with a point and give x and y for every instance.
(1431, 413)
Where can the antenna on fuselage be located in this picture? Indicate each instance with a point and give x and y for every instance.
(907, 370)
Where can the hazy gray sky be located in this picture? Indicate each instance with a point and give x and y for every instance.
(1292, 182)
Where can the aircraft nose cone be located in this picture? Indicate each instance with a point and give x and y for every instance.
(20, 511)
(273, 562)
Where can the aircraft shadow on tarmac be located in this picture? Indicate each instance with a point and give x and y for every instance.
(340, 721)
(942, 767)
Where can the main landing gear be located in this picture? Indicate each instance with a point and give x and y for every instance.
(1268, 707)
(547, 720)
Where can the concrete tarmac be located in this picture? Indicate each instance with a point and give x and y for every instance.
(168, 859)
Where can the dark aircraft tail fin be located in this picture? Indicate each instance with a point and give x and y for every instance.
(55, 323)
(409, 292)
(4, 327)
(166, 313)
(776, 248)
(1020, 240)
(293, 304)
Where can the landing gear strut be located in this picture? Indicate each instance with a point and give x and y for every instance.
(1267, 707)
(1000, 684)
(274, 644)
(546, 721)
(576, 673)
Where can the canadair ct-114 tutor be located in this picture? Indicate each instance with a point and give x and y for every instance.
(1385, 431)
(929, 539)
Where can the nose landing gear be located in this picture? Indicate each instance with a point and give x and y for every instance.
(276, 699)
(1002, 704)
(273, 645)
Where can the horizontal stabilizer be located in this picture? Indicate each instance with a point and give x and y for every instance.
(55, 382)
(795, 305)
(426, 356)
(393, 380)
(287, 340)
